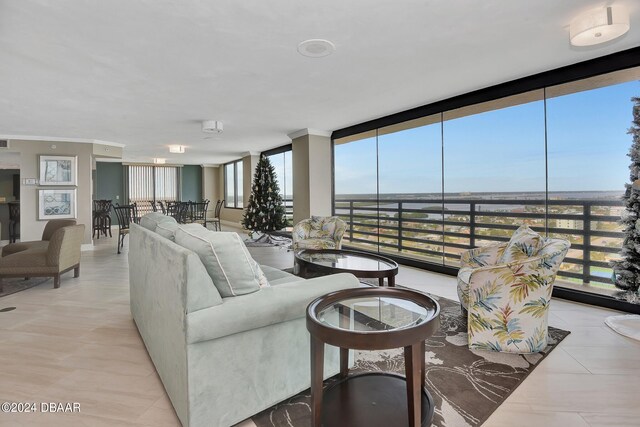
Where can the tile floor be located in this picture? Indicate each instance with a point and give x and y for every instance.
(79, 344)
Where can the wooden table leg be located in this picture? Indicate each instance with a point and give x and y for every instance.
(317, 370)
(413, 373)
(302, 271)
(381, 282)
(344, 321)
(344, 362)
(392, 280)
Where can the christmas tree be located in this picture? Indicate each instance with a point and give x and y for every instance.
(626, 270)
(265, 212)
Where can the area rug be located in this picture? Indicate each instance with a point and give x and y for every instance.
(264, 242)
(11, 286)
(467, 386)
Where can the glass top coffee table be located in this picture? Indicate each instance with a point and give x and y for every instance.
(372, 318)
(360, 264)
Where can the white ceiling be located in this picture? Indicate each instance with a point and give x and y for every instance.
(146, 72)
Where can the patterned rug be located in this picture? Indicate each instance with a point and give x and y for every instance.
(467, 386)
(268, 241)
(11, 286)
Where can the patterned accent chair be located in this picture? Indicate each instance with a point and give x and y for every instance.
(318, 232)
(506, 290)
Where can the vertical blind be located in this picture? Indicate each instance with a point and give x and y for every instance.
(152, 183)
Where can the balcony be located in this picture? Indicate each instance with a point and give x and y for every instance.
(433, 231)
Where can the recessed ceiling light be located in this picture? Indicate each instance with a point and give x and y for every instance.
(316, 48)
(599, 26)
(176, 149)
(159, 161)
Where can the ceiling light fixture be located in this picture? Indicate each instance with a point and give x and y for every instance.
(159, 161)
(599, 26)
(212, 126)
(176, 149)
(316, 48)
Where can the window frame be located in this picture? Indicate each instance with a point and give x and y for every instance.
(234, 203)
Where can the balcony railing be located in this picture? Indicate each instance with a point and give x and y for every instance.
(288, 207)
(437, 232)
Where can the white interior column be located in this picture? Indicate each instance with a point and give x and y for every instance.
(312, 165)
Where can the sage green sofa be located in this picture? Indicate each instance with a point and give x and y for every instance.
(222, 360)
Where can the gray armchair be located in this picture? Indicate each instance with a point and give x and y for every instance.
(61, 254)
(49, 229)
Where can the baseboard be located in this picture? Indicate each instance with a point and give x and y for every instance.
(87, 247)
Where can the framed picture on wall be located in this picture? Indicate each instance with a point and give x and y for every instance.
(56, 204)
(58, 170)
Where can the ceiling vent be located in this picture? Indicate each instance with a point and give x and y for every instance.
(4, 143)
(212, 126)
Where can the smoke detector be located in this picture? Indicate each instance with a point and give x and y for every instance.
(212, 126)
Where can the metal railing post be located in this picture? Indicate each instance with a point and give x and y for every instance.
(351, 220)
(586, 240)
(472, 224)
(399, 226)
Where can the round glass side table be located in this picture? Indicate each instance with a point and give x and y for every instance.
(372, 319)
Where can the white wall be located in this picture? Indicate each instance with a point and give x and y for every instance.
(30, 227)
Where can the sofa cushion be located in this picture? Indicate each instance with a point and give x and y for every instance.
(225, 257)
(14, 248)
(319, 234)
(30, 261)
(272, 274)
(525, 243)
(318, 243)
(151, 220)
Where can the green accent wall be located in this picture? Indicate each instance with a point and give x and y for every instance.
(109, 183)
(192, 183)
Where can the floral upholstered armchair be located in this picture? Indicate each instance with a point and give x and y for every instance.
(318, 232)
(506, 290)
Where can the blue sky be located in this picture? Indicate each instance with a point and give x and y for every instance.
(503, 150)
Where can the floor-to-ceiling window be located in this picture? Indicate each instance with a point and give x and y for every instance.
(587, 124)
(410, 188)
(233, 182)
(553, 158)
(494, 163)
(282, 161)
(356, 188)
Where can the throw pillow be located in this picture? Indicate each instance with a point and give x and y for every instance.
(151, 220)
(167, 229)
(225, 257)
(525, 243)
(329, 226)
(260, 276)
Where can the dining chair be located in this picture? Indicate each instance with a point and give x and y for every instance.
(217, 225)
(126, 215)
(101, 218)
(14, 221)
